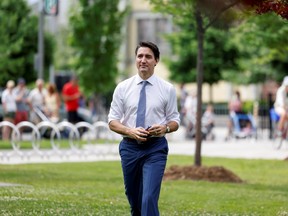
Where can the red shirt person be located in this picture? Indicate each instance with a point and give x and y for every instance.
(71, 95)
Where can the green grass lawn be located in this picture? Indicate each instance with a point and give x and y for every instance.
(47, 144)
(96, 188)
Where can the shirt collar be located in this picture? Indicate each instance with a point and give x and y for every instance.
(151, 79)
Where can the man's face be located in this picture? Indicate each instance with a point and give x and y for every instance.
(40, 85)
(145, 61)
(21, 85)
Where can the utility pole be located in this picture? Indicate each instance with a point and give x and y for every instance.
(50, 8)
(40, 56)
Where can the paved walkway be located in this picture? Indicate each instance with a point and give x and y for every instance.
(262, 148)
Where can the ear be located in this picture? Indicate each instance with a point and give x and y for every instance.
(156, 62)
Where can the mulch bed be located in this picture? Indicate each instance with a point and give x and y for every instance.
(213, 174)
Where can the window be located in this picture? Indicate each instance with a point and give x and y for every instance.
(153, 29)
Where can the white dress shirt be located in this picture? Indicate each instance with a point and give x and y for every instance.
(37, 98)
(281, 98)
(9, 99)
(161, 102)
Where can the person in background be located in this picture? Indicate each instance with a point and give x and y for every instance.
(208, 122)
(190, 109)
(82, 102)
(144, 148)
(234, 107)
(71, 95)
(9, 108)
(183, 96)
(36, 101)
(22, 94)
(281, 104)
(52, 103)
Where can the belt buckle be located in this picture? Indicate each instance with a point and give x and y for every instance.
(141, 142)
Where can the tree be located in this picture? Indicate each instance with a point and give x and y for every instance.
(18, 36)
(96, 28)
(204, 14)
(279, 7)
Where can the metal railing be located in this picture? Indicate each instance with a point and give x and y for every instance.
(96, 135)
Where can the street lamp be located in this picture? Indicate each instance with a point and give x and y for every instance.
(50, 8)
(40, 55)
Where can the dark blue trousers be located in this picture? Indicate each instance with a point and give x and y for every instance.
(143, 167)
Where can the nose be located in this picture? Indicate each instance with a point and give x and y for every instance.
(144, 59)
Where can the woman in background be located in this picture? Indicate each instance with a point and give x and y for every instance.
(52, 103)
(9, 108)
(235, 107)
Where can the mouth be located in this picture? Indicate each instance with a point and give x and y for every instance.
(143, 66)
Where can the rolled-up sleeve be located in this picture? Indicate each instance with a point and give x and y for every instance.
(172, 113)
(116, 109)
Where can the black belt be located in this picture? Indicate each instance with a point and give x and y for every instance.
(149, 139)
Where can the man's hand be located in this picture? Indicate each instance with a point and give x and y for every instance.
(157, 130)
(139, 133)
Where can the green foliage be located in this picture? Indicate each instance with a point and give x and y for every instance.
(181, 9)
(97, 188)
(96, 38)
(248, 106)
(219, 54)
(252, 52)
(18, 36)
(262, 43)
(49, 49)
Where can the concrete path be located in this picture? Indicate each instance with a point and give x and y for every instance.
(261, 148)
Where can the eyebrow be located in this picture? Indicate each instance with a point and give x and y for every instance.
(141, 54)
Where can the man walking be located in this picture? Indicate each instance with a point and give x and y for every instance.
(143, 110)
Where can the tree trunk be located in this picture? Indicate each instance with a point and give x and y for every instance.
(200, 39)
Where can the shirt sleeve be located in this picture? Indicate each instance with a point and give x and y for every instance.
(116, 109)
(280, 97)
(172, 113)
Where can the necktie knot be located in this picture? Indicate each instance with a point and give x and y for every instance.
(144, 83)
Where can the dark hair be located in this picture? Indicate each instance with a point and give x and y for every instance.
(238, 94)
(150, 45)
(21, 80)
(51, 88)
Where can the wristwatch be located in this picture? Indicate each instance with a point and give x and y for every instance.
(167, 129)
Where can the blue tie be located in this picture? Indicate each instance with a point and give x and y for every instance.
(140, 119)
